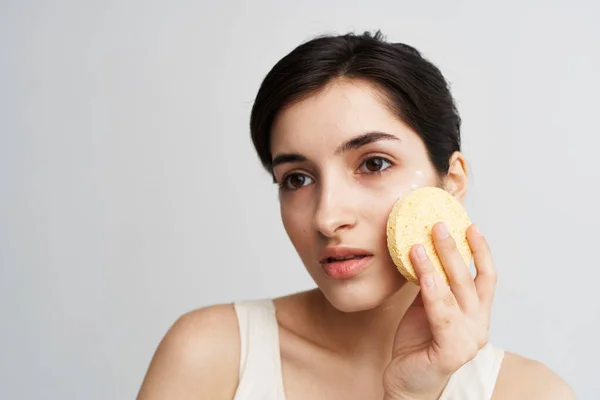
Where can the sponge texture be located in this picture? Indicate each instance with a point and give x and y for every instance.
(411, 220)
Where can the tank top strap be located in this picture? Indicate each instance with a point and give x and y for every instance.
(476, 379)
(260, 374)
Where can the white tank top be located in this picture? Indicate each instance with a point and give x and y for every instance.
(260, 374)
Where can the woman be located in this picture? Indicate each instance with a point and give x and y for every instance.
(346, 125)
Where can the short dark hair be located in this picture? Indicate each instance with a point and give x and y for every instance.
(415, 89)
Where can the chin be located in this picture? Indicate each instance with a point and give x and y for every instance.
(361, 293)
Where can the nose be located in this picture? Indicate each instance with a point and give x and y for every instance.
(336, 209)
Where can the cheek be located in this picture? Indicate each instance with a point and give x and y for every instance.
(296, 223)
(377, 202)
(389, 188)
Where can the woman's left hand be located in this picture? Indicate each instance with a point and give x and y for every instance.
(447, 325)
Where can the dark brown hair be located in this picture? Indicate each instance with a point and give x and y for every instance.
(415, 89)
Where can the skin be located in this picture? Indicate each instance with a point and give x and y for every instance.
(373, 335)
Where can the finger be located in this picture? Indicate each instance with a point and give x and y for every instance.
(461, 281)
(439, 302)
(486, 278)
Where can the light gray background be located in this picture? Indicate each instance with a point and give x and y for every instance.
(130, 192)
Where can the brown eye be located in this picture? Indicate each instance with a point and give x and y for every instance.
(296, 181)
(376, 164)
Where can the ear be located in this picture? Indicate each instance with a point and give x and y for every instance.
(457, 179)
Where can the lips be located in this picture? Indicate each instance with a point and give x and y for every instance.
(344, 262)
(351, 257)
(339, 253)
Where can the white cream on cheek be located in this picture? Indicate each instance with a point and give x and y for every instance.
(417, 182)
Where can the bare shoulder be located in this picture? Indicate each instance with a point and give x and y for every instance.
(197, 358)
(523, 378)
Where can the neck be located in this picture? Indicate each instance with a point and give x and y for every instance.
(366, 334)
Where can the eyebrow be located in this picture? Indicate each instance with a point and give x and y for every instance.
(352, 144)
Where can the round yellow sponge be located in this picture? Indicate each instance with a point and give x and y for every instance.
(411, 220)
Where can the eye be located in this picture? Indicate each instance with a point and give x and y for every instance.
(375, 164)
(296, 181)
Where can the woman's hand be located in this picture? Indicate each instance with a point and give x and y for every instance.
(447, 325)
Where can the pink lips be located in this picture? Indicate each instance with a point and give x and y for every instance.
(344, 262)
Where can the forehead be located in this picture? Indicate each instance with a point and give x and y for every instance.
(343, 109)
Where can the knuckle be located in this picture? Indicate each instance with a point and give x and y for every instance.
(461, 279)
(448, 244)
(491, 279)
(486, 246)
(443, 323)
(490, 275)
(494, 276)
(448, 300)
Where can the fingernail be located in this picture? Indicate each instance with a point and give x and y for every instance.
(476, 230)
(443, 231)
(428, 281)
(421, 255)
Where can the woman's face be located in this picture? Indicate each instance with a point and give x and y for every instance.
(342, 159)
